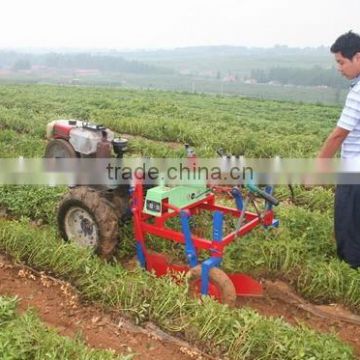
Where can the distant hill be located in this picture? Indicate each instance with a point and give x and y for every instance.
(231, 59)
(224, 51)
(280, 72)
(102, 62)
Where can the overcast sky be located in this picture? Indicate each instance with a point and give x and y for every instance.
(134, 24)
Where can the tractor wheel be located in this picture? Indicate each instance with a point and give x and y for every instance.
(88, 219)
(59, 148)
(220, 285)
(119, 199)
(121, 202)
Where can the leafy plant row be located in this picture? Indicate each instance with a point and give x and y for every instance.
(253, 128)
(302, 250)
(237, 334)
(26, 337)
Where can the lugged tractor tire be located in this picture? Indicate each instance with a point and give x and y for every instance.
(120, 199)
(88, 219)
(59, 148)
(217, 278)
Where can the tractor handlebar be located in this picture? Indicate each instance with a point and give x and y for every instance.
(255, 190)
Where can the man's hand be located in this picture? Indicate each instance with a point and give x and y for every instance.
(333, 143)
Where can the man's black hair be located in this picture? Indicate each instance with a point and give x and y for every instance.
(347, 44)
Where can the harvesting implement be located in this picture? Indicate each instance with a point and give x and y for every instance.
(90, 217)
(162, 204)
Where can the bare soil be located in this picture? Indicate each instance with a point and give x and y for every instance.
(280, 300)
(59, 307)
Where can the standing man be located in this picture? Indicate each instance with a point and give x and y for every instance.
(347, 135)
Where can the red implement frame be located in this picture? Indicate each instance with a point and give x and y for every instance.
(156, 225)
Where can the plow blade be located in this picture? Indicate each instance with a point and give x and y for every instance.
(244, 284)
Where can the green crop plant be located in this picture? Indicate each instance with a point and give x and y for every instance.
(302, 250)
(35, 202)
(237, 334)
(330, 282)
(26, 337)
(229, 122)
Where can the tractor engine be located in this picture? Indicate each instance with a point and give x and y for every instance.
(74, 138)
(89, 215)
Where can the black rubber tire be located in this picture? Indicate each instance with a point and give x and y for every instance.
(121, 202)
(59, 148)
(100, 210)
(219, 279)
(119, 198)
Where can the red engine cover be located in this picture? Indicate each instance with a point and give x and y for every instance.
(62, 130)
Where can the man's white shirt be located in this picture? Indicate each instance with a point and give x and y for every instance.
(350, 120)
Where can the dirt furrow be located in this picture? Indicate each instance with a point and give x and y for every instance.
(59, 306)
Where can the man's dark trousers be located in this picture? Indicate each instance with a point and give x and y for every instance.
(347, 223)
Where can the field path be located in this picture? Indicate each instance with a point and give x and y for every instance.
(280, 300)
(59, 307)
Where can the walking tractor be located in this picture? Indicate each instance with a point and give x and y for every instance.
(91, 216)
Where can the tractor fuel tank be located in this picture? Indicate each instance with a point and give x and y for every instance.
(86, 141)
(83, 136)
(60, 129)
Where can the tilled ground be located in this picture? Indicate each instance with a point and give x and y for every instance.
(59, 307)
(281, 301)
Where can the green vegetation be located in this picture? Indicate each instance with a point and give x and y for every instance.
(302, 250)
(241, 126)
(281, 73)
(236, 333)
(316, 76)
(36, 202)
(26, 337)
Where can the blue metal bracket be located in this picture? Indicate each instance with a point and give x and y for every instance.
(269, 190)
(235, 192)
(140, 254)
(213, 261)
(275, 224)
(205, 268)
(190, 250)
(218, 219)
